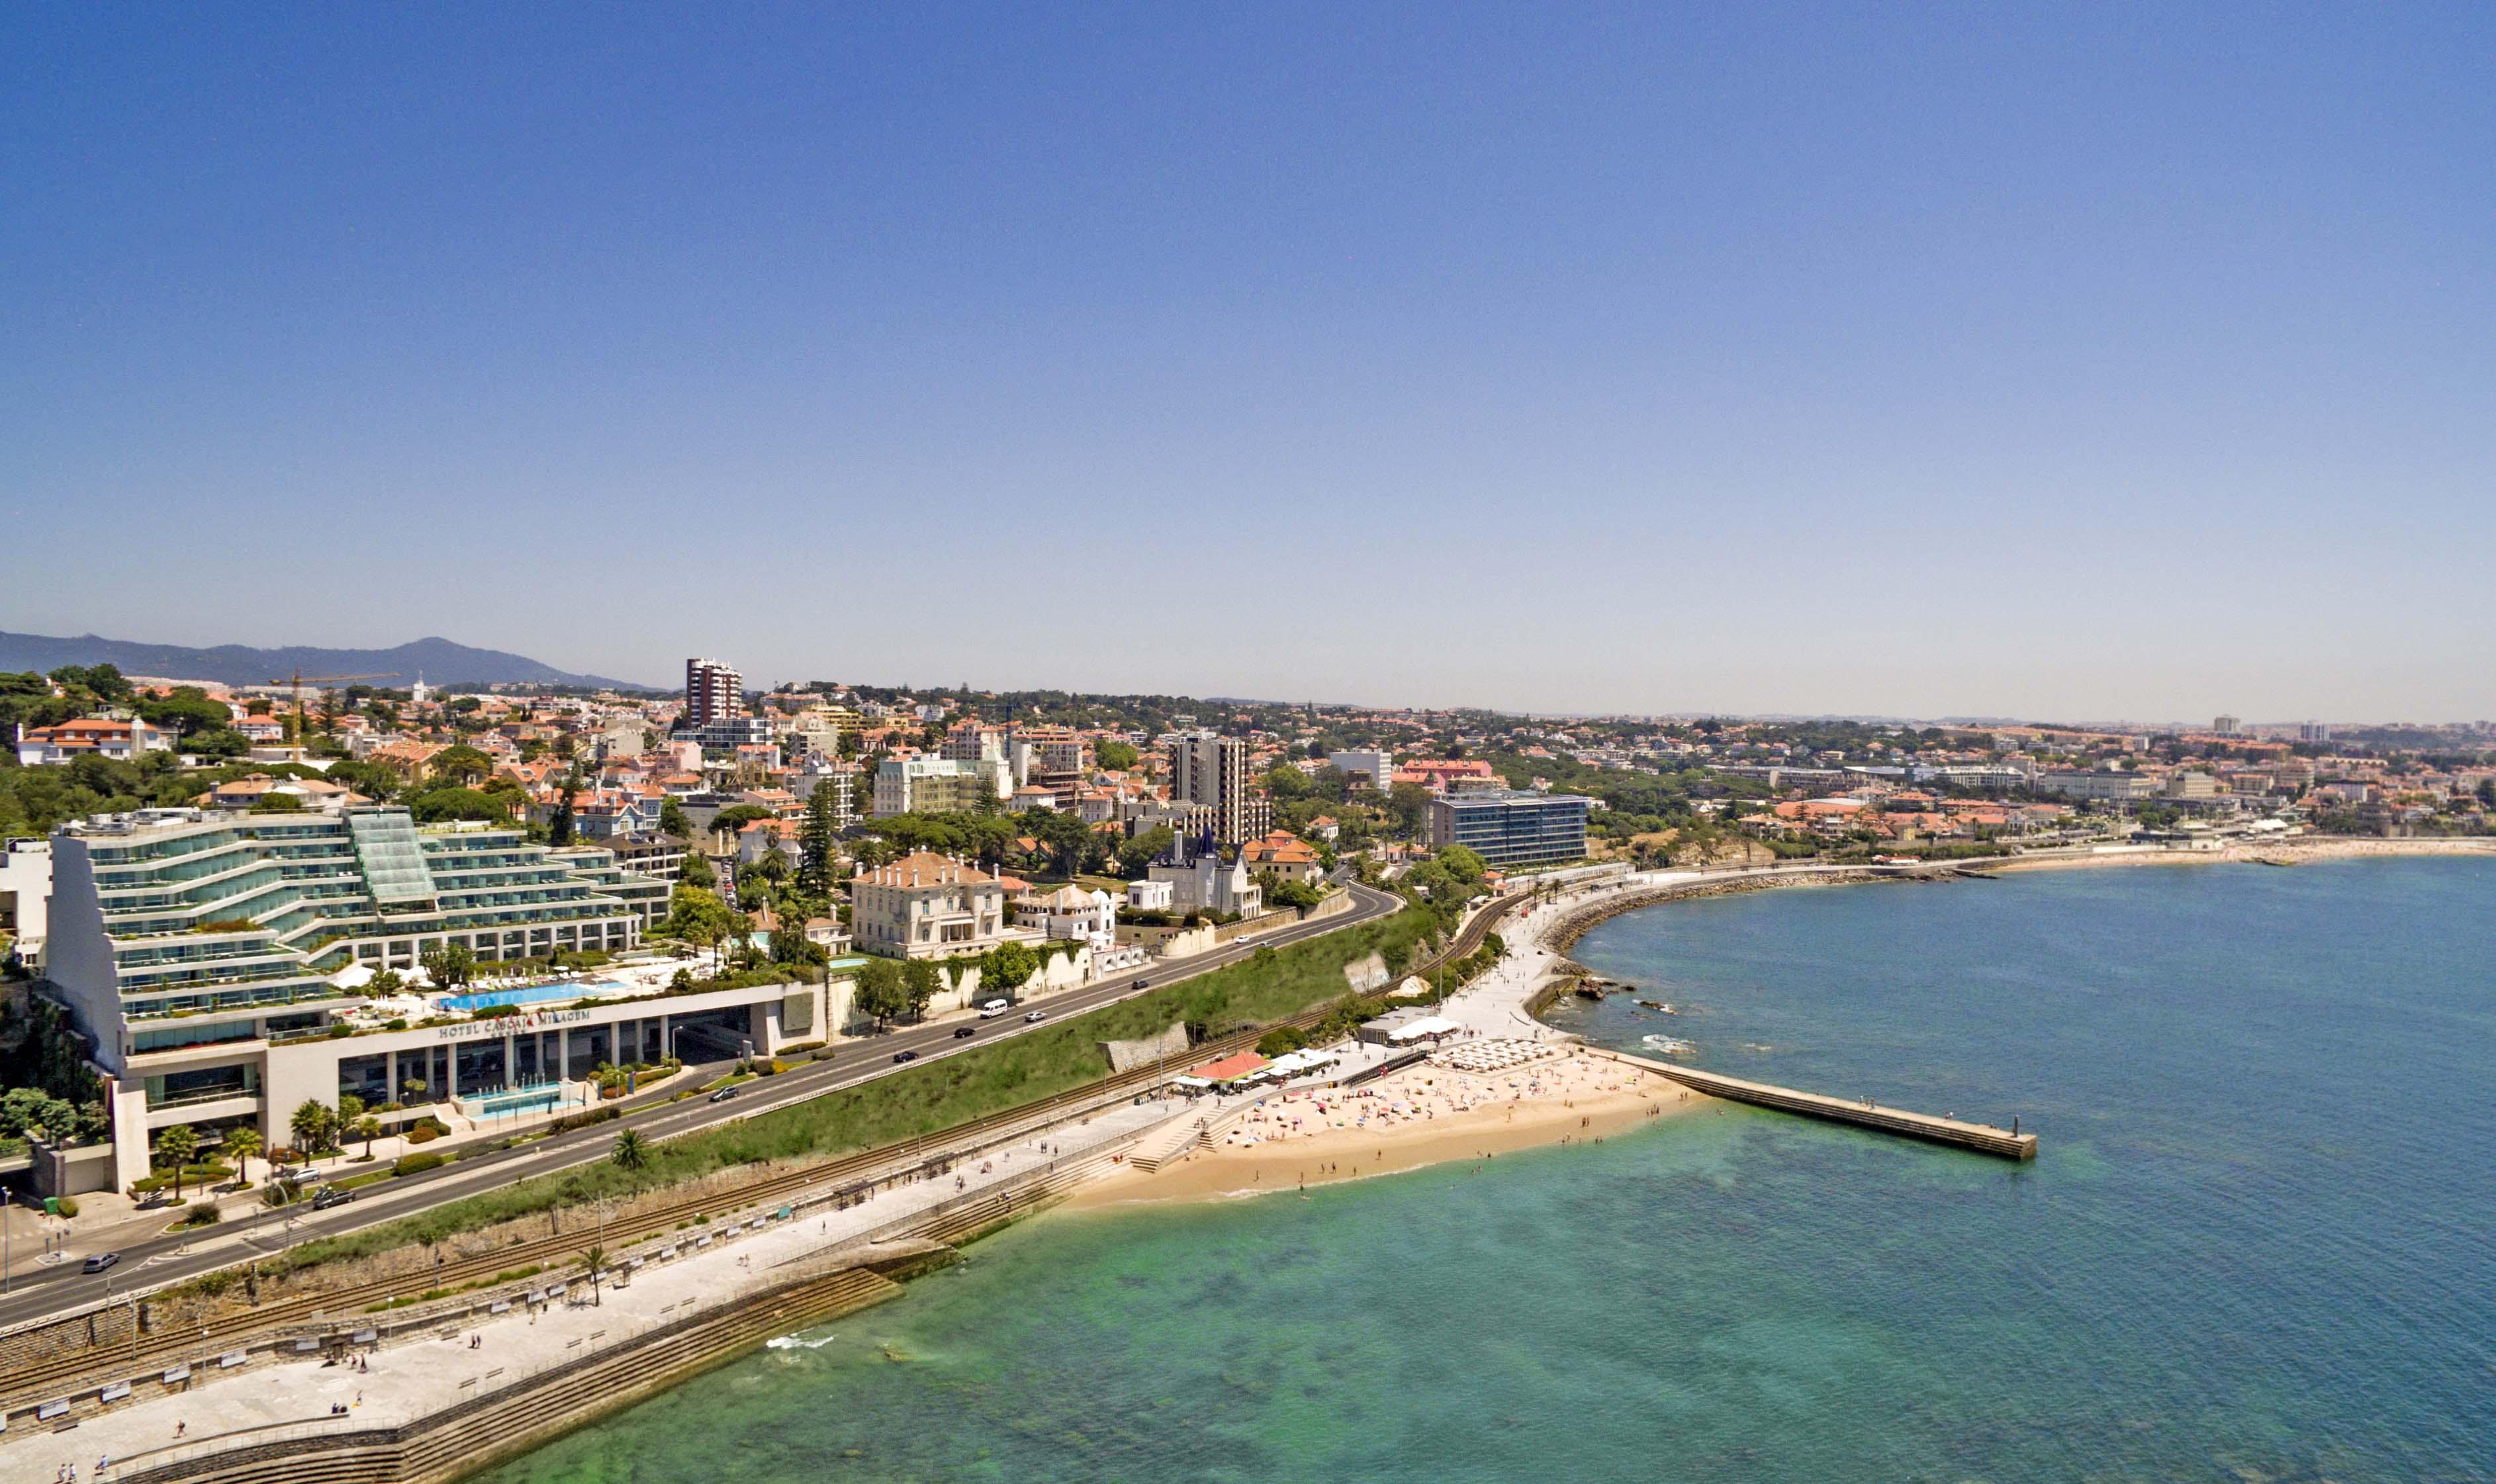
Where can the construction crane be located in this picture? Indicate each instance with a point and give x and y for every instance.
(294, 692)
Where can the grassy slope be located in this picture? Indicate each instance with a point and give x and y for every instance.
(923, 1100)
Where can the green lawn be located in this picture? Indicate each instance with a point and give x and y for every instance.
(924, 1100)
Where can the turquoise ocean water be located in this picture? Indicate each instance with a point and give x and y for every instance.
(2260, 1243)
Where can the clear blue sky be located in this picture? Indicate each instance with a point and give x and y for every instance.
(2093, 361)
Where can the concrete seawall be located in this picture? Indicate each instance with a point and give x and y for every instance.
(1583, 920)
(1984, 1139)
(474, 1435)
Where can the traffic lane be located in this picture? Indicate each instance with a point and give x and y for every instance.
(665, 1118)
(661, 1117)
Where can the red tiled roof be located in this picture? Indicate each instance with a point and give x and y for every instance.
(1230, 1067)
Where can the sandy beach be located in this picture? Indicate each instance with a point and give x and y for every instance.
(2290, 852)
(1427, 1114)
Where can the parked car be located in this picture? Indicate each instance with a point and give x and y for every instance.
(101, 1261)
(965, 1032)
(1035, 1017)
(905, 1056)
(331, 1195)
(723, 1094)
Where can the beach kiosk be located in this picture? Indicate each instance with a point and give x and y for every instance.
(1227, 1075)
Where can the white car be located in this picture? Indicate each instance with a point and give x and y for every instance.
(994, 1008)
(1035, 1017)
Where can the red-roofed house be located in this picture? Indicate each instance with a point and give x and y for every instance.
(45, 746)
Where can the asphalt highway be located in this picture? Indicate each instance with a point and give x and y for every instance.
(41, 1293)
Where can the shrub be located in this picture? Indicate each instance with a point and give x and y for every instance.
(205, 1214)
(1281, 1040)
(421, 1133)
(67, 1206)
(415, 1165)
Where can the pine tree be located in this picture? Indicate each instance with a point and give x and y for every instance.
(816, 842)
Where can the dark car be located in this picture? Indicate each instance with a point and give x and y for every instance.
(330, 1195)
(1141, 984)
(965, 1032)
(723, 1094)
(101, 1261)
(905, 1056)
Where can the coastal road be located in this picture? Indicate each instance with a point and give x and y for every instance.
(41, 1293)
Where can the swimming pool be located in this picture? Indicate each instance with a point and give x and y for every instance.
(528, 1100)
(532, 995)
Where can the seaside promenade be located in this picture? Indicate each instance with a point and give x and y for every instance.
(712, 1268)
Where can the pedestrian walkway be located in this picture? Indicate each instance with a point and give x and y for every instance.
(659, 1281)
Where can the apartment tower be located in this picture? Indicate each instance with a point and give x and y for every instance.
(713, 692)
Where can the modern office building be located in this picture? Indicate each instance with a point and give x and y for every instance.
(218, 965)
(2104, 786)
(1373, 769)
(1512, 827)
(924, 785)
(713, 692)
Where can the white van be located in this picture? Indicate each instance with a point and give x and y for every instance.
(994, 1008)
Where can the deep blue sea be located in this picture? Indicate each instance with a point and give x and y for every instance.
(2259, 1243)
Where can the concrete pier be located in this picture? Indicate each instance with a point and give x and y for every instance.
(1984, 1139)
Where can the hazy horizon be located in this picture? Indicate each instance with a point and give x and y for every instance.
(1812, 361)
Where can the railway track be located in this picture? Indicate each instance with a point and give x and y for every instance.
(123, 1359)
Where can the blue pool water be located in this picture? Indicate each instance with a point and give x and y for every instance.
(534, 994)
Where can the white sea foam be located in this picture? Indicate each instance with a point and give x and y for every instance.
(792, 1343)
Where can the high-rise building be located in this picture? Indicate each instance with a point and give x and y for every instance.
(1050, 758)
(1211, 769)
(2227, 725)
(713, 692)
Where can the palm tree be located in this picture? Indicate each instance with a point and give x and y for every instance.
(368, 1128)
(242, 1143)
(176, 1145)
(310, 1126)
(594, 1257)
(343, 1123)
(632, 1152)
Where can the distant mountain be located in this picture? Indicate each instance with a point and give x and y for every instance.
(439, 662)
